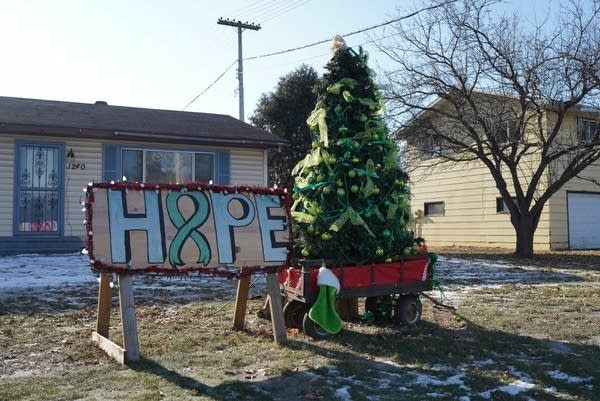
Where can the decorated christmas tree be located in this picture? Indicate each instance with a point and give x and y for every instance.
(351, 201)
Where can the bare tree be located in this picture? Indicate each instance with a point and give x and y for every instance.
(474, 85)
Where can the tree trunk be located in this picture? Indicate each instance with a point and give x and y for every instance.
(525, 230)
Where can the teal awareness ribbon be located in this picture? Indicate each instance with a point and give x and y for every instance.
(187, 228)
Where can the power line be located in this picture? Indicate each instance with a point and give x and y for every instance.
(210, 86)
(346, 35)
(252, 10)
(258, 15)
(315, 44)
(248, 8)
(276, 13)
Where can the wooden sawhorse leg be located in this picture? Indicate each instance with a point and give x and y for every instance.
(275, 305)
(130, 350)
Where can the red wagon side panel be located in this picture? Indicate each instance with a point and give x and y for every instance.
(356, 276)
(411, 274)
(407, 271)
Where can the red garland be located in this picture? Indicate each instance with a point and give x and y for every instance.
(101, 267)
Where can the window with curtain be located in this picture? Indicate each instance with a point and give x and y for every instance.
(167, 166)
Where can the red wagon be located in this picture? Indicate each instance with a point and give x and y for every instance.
(402, 280)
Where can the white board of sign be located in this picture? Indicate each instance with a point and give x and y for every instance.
(175, 229)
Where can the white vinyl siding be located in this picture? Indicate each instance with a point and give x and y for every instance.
(247, 167)
(7, 161)
(470, 216)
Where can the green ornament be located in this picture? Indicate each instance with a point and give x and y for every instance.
(354, 189)
(326, 190)
(379, 251)
(386, 233)
(351, 173)
(305, 252)
(325, 236)
(341, 193)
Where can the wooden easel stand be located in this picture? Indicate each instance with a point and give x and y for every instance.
(275, 305)
(130, 351)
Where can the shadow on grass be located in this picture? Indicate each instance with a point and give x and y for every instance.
(182, 381)
(429, 361)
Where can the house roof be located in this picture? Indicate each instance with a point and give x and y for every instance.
(591, 111)
(103, 121)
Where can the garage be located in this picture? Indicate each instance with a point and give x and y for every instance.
(584, 220)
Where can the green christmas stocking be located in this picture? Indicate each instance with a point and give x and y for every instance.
(323, 311)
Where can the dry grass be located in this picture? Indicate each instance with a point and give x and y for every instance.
(546, 337)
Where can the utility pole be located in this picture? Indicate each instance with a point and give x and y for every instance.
(239, 25)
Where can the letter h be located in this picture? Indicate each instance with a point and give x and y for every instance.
(121, 223)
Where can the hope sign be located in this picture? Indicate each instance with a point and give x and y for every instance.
(171, 228)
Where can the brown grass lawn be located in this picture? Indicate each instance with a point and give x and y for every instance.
(508, 339)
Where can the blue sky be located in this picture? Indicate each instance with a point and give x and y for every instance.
(161, 54)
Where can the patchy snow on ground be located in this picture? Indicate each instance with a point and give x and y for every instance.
(67, 281)
(558, 375)
(457, 275)
(29, 271)
(55, 282)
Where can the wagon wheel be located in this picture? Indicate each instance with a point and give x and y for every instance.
(313, 330)
(408, 310)
(293, 313)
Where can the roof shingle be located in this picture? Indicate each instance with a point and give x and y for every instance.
(102, 121)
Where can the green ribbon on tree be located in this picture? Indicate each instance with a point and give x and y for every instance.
(317, 120)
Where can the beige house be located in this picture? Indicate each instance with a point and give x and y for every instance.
(50, 150)
(458, 203)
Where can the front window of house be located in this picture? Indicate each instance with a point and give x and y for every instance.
(166, 166)
(38, 187)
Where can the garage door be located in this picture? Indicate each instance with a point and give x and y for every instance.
(584, 220)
